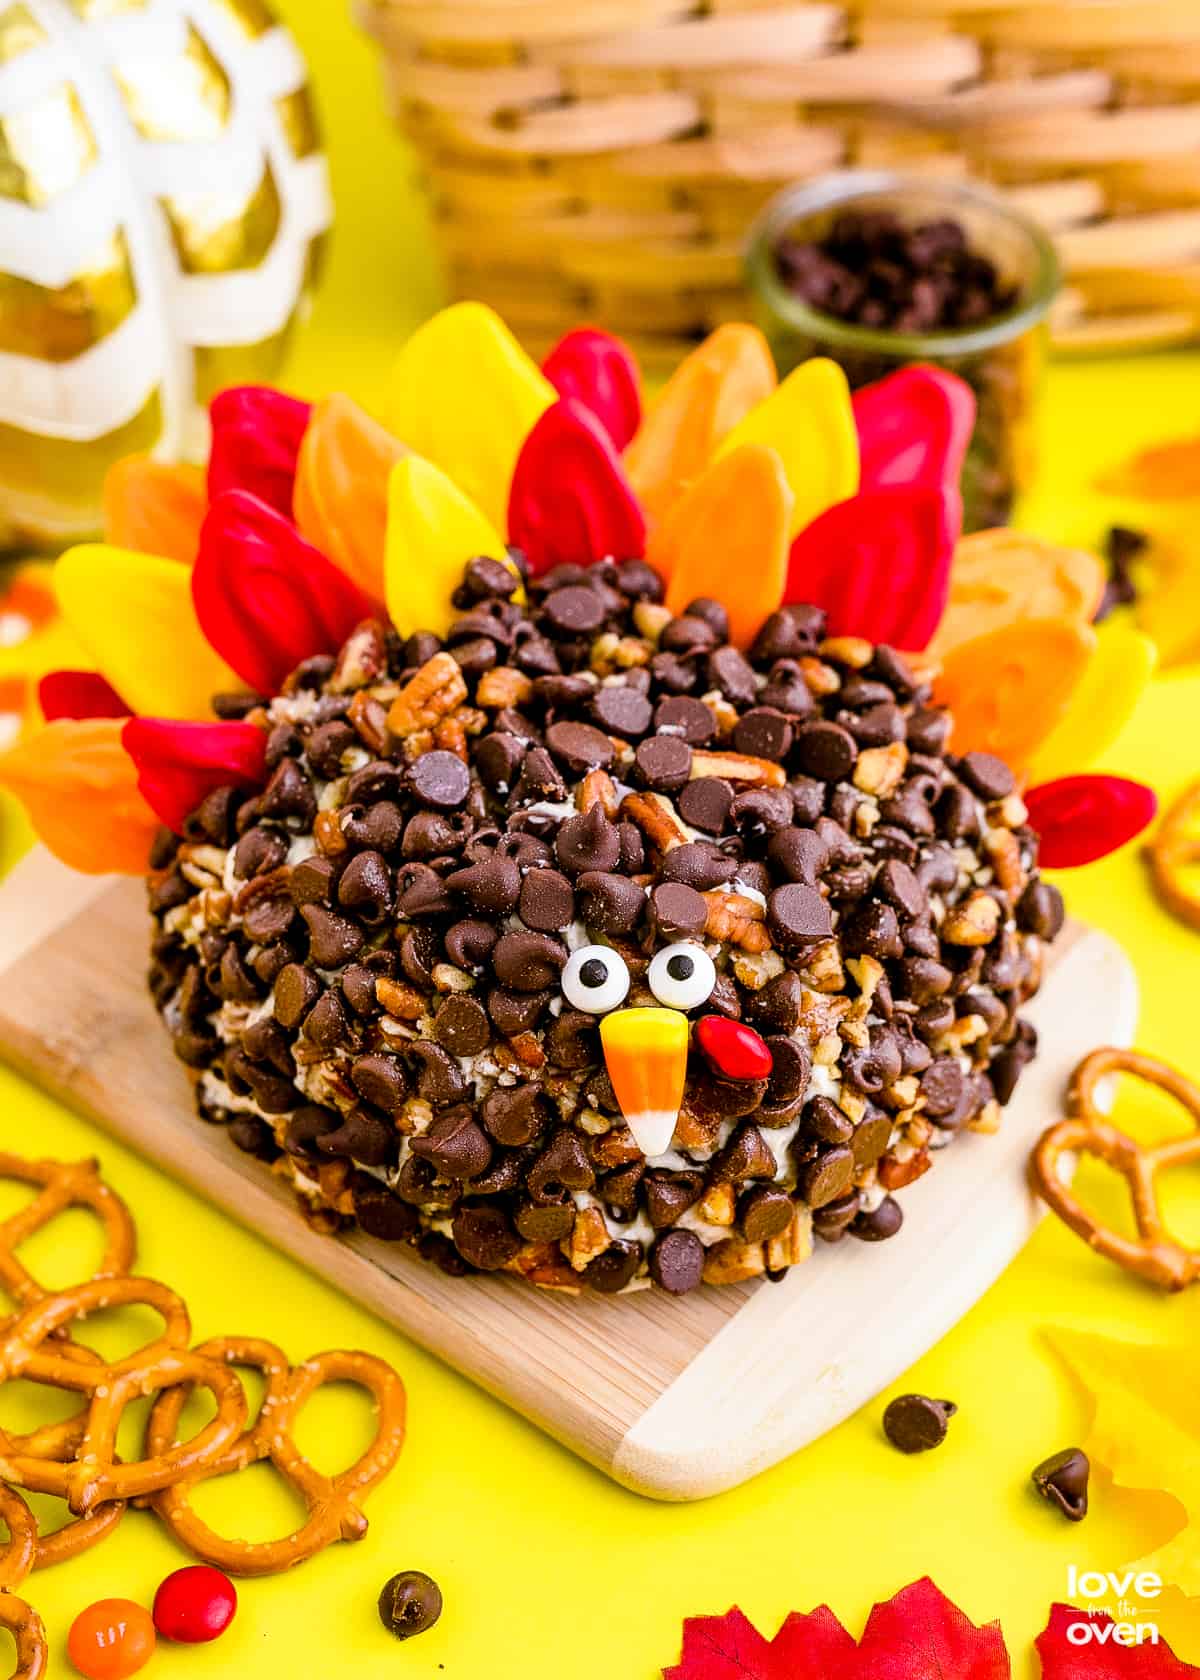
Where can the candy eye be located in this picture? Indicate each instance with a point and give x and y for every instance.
(682, 976)
(595, 979)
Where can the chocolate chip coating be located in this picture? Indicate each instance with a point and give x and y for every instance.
(914, 1423)
(1062, 1480)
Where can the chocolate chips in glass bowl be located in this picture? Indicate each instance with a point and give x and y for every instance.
(365, 964)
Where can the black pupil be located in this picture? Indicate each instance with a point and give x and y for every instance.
(593, 973)
(681, 968)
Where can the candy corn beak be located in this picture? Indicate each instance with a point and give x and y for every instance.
(646, 1054)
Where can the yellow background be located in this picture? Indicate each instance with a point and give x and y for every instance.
(547, 1569)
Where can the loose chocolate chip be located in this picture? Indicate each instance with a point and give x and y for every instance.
(691, 720)
(791, 1064)
(549, 1224)
(798, 916)
(579, 747)
(1040, 910)
(914, 1423)
(258, 852)
(361, 1137)
(611, 1271)
(699, 864)
(326, 1024)
(673, 674)
(512, 1013)
(669, 1194)
(704, 803)
(1063, 1480)
(573, 1040)
(831, 1222)
(986, 775)
(730, 672)
(898, 884)
(311, 881)
(410, 1603)
(763, 733)
(761, 811)
(439, 1079)
(825, 750)
(622, 711)
(289, 794)
(378, 826)
(663, 763)
(777, 1007)
(825, 1120)
(326, 746)
(498, 759)
(547, 901)
(828, 1176)
(439, 780)
(677, 1262)
(872, 930)
(798, 854)
(380, 1081)
(514, 1115)
(528, 962)
(764, 1212)
(942, 1086)
(677, 911)
(305, 1126)
(455, 1145)
(928, 732)
(688, 635)
(333, 941)
(421, 893)
(562, 1166)
(468, 944)
(871, 1137)
(880, 1223)
(366, 888)
(609, 904)
(461, 1025)
(296, 990)
(491, 887)
(575, 611)
(484, 1237)
(588, 842)
(253, 1137)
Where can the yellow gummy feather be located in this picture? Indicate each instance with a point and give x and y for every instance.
(465, 395)
(432, 531)
(134, 615)
(1115, 680)
(808, 421)
(645, 1051)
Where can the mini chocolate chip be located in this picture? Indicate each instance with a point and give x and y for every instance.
(764, 1212)
(746, 1155)
(880, 1223)
(549, 1224)
(455, 1145)
(579, 747)
(575, 611)
(491, 887)
(588, 842)
(514, 1114)
(691, 720)
(379, 1213)
(872, 930)
(1040, 910)
(305, 1126)
(258, 852)
(763, 733)
(361, 1137)
(688, 635)
(798, 916)
(439, 1079)
(1063, 1480)
(333, 941)
(798, 854)
(957, 816)
(289, 794)
(498, 759)
(461, 1025)
(677, 911)
(378, 826)
(421, 892)
(611, 1271)
(410, 1603)
(871, 1137)
(825, 1120)
(825, 750)
(366, 888)
(515, 1012)
(663, 763)
(562, 1165)
(733, 675)
(677, 1261)
(791, 1065)
(828, 1176)
(528, 962)
(986, 775)
(700, 864)
(378, 780)
(761, 811)
(573, 1040)
(609, 904)
(439, 780)
(831, 1222)
(942, 1086)
(326, 746)
(468, 944)
(326, 1024)
(380, 1081)
(914, 1423)
(547, 901)
(675, 675)
(311, 881)
(898, 884)
(667, 1195)
(268, 920)
(704, 803)
(622, 711)
(253, 1137)
(777, 1007)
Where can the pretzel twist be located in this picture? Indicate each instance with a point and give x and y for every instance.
(25, 1625)
(93, 1475)
(64, 1184)
(1174, 850)
(19, 1552)
(1154, 1254)
(333, 1503)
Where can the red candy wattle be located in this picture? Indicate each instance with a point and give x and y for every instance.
(264, 597)
(735, 1050)
(1079, 819)
(179, 764)
(256, 437)
(195, 1605)
(913, 428)
(570, 501)
(79, 694)
(879, 564)
(600, 372)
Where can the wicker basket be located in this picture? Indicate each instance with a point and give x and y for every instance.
(602, 161)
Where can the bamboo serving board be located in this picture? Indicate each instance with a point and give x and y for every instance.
(676, 1398)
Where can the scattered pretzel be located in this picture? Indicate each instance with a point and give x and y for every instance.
(25, 1625)
(64, 1184)
(18, 1555)
(1155, 1255)
(1174, 850)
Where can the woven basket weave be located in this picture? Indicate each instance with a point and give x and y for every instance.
(602, 160)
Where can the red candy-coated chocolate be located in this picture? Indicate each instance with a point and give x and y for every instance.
(195, 1605)
(879, 564)
(600, 372)
(914, 428)
(111, 1639)
(256, 437)
(79, 694)
(570, 500)
(735, 1050)
(1081, 818)
(264, 597)
(178, 764)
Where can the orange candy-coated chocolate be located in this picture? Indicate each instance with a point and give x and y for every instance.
(340, 496)
(998, 577)
(1009, 688)
(79, 786)
(111, 1639)
(701, 403)
(154, 507)
(728, 538)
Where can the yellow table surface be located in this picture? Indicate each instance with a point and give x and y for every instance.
(548, 1570)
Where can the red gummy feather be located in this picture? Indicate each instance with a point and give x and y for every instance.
(920, 1635)
(1101, 1658)
(178, 764)
(79, 694)
(879, 563)
(729, 1647)
(570, 500)
(1082, 818)
(264, 597)
(599, 371)
(914, 428)
(256, 437)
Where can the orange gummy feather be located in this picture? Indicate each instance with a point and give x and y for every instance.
(79, 786)
(154, 508)
(340, 496)
(1168, 472)
(998, 577)
(1009, 688)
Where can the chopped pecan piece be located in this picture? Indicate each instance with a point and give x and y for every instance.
(738, 767)
(502, 686)
(656, 818)
(429, 695)
(736, 920)
(976, 921)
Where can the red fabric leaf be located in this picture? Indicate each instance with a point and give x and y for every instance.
(729, 1647)
(1082, 818)
(256, 437)
(914, 428)
(879, 563)
(1100, 1657)
(178, 764)
(570, 499)
(920, 1635)
(601, 373)
(264, 597)
(79, 694)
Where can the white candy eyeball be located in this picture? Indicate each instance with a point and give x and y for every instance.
(682, 976)
(595, 979)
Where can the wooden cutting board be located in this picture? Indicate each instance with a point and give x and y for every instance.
(676, 1398)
